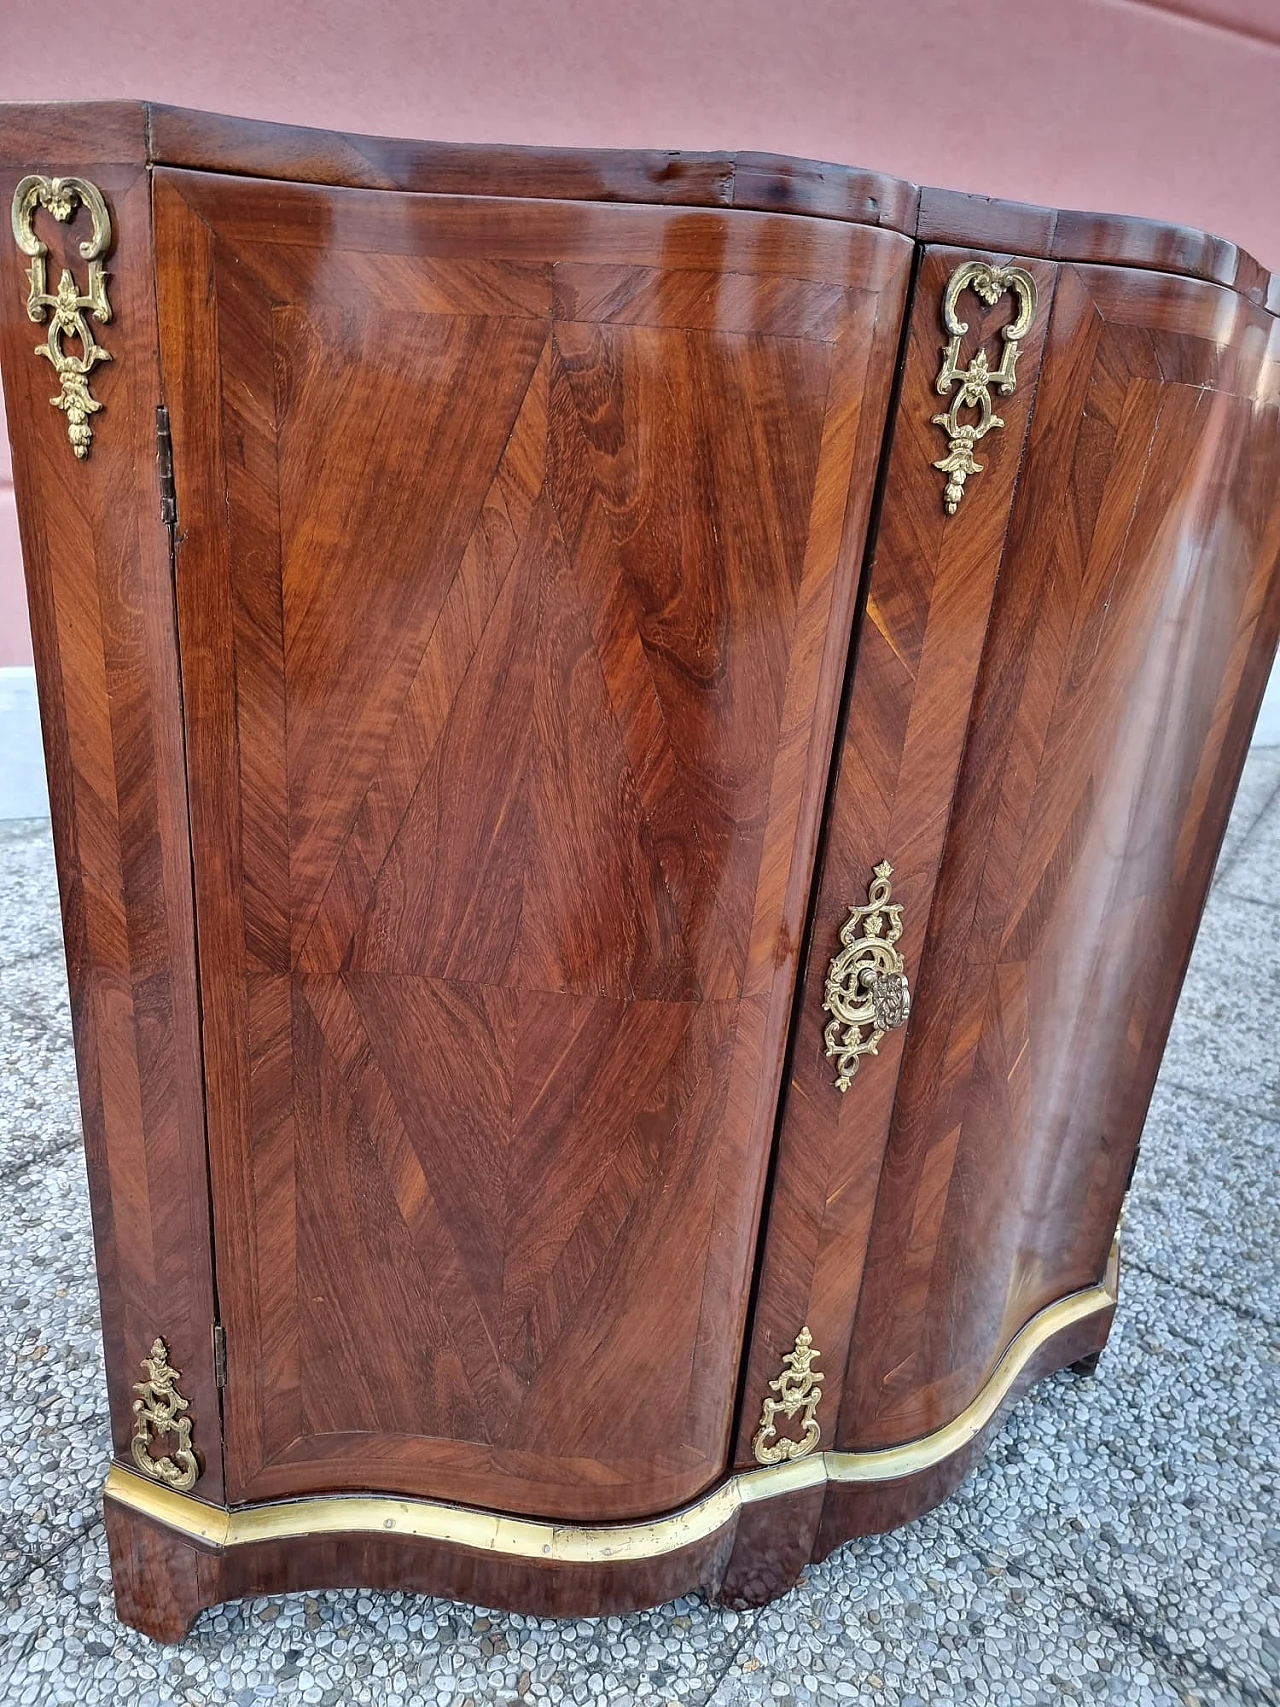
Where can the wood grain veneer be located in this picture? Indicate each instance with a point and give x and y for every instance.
(507, 740)
(1130, 638)
(456, 817)
(100, 594)
(1107, 646)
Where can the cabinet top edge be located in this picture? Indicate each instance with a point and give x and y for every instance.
(145, 133)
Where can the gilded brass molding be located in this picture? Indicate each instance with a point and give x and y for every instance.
(975, 381)
(159, 1410)
(866, 991)
(70, 308)
(799, 1388)
(573, 1543)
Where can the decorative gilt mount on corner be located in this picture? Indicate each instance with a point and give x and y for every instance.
(799, 1388)
(975, 381)
(159, 1410)
(70, 308)
(866, 992)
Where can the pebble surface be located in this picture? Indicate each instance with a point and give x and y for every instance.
(1120, 1543)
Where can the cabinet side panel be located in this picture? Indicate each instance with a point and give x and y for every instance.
(97, 565)
(928, 599)
(1130, 639)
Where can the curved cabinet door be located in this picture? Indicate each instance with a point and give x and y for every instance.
(1128, 646)
(517, 551)
(1052, 696)
(918, 651)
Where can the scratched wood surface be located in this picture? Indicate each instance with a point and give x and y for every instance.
(519, 548)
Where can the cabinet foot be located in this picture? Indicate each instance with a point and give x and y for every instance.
(155, 1573)
(1086, 1365)
(772, 1546)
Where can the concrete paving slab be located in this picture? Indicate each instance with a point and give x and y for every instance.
(39, 1101)
(1147, 1495)
(1253, 873)
(1225, 1039)
(1259, 785)
(54, 1435)
(30, 923)
(1202, 1212)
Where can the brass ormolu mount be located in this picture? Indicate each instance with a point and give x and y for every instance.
(799, 1388)
(866, 991)
(159, 1410)
(975, 381)
(69, 306)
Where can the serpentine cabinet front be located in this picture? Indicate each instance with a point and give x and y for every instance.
(592, 1089)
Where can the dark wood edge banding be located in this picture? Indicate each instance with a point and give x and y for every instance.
(46, 132)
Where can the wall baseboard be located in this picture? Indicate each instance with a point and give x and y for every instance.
(24, 792)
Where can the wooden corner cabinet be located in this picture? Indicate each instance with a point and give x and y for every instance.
(636, 743)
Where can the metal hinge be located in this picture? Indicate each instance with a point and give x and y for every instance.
(164, 461)
(219, 1354)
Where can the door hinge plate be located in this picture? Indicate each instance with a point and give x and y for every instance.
(219, 1354)
(164, 462)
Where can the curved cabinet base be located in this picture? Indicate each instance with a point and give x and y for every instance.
(741, 1544)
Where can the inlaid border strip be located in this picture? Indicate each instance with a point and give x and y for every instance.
(572, 1543)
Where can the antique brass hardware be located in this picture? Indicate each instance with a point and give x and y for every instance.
(70, 307)
(158, 1410)
(799, 1388)
(975, 381)
(866, 991)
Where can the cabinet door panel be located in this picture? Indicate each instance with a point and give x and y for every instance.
(918, 650)
(1045, 732)
(518, 548)
(100, 594)
(1130, 637)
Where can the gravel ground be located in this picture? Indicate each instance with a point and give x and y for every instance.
(1121, 1542)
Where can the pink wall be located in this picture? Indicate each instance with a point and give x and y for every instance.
(1169, 108)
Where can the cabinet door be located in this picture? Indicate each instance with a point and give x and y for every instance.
(918, 651)
(518, 545)
(1052, 696)
(1128, 646)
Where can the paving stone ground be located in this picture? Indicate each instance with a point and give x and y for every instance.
(1120, 1544)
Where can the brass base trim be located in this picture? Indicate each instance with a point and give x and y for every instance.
(572, 1543)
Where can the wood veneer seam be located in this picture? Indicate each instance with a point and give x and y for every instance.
(175, 539)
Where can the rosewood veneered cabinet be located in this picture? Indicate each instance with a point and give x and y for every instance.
(636, 744)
